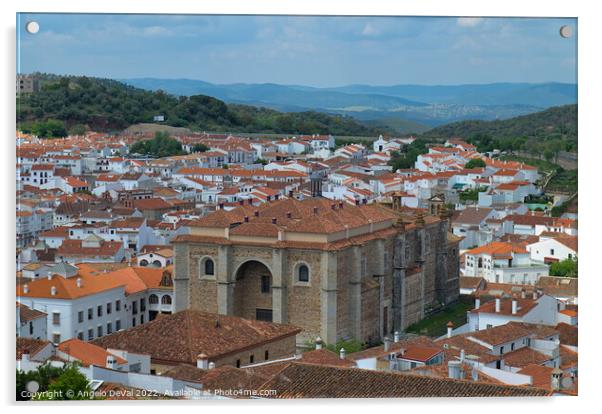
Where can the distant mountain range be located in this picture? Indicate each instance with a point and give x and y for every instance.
(405, 108)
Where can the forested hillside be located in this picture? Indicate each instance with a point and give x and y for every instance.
(108, 105)
(546, 132)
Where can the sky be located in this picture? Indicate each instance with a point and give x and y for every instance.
(302, 50)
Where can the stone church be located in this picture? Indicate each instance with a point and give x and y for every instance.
(336, 270)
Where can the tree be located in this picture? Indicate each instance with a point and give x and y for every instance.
(475, 163)
(70, 385)
(564, 268)
(199, 147)
(78, 129)
(162, 145)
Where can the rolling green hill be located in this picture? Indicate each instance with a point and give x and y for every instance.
(108, 105)
(544, 133)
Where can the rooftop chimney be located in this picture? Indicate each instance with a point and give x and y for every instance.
(477, 302)
(79, 282)
(514, 305)
(497, 305)
(396, 337)
(523, 294)
(49, 275)
(462, 355)
(53, 290)
(450, 328)
(454, 369)
(202, 361)
(111, 362)
(318, 343)
(342, 353)
(26, 288)
(211, 365)
(387, 342)
(556, 379)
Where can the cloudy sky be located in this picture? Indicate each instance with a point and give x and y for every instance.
(316, 51)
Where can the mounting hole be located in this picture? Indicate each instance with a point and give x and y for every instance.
(32, 27)
(566, 31)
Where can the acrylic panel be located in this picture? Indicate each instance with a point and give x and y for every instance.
(279, 207)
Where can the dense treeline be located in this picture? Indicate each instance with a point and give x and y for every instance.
(160, 146)
(543, 133)
(108, 105)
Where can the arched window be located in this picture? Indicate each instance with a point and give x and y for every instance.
(303, 273)
(144, 262)
(209, 267)
(153, 299)
(157, 263)
(165, 300)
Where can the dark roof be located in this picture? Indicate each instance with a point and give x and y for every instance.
(314, 381)
(472, 215)
(181, 337)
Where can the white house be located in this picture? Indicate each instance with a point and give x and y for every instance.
(502, 262)
(553, 249)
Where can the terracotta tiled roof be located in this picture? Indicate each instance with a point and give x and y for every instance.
(313, 381)
(72, 248)
(87, 353)
(29, 346)
(181, 337)
(523, 307)
(27, 314)
(325, 357)
(220, 379)
(525, 356)
(498, 249)
(500, 334)
(569, 334)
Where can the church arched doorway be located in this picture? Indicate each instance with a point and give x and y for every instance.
(253, 291)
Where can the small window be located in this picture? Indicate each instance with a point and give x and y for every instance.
(552, 252)
(99, 331)
(142, 318)
(99, 311)
(80, 336)
(267, 355)
(90, 314)
(117, 305)
(56, 338)
(109, 328)
(238, 363)
(512, 346)
(90, 334)
(117, 325)
(135, 307)
(80, 316)
(265, 284)
(56, 318)
(165, 300)
(501, 349)
(133, 321)
(153, 299)
(109, 308)
(303, 273)
(209, 267)
(251, 359)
